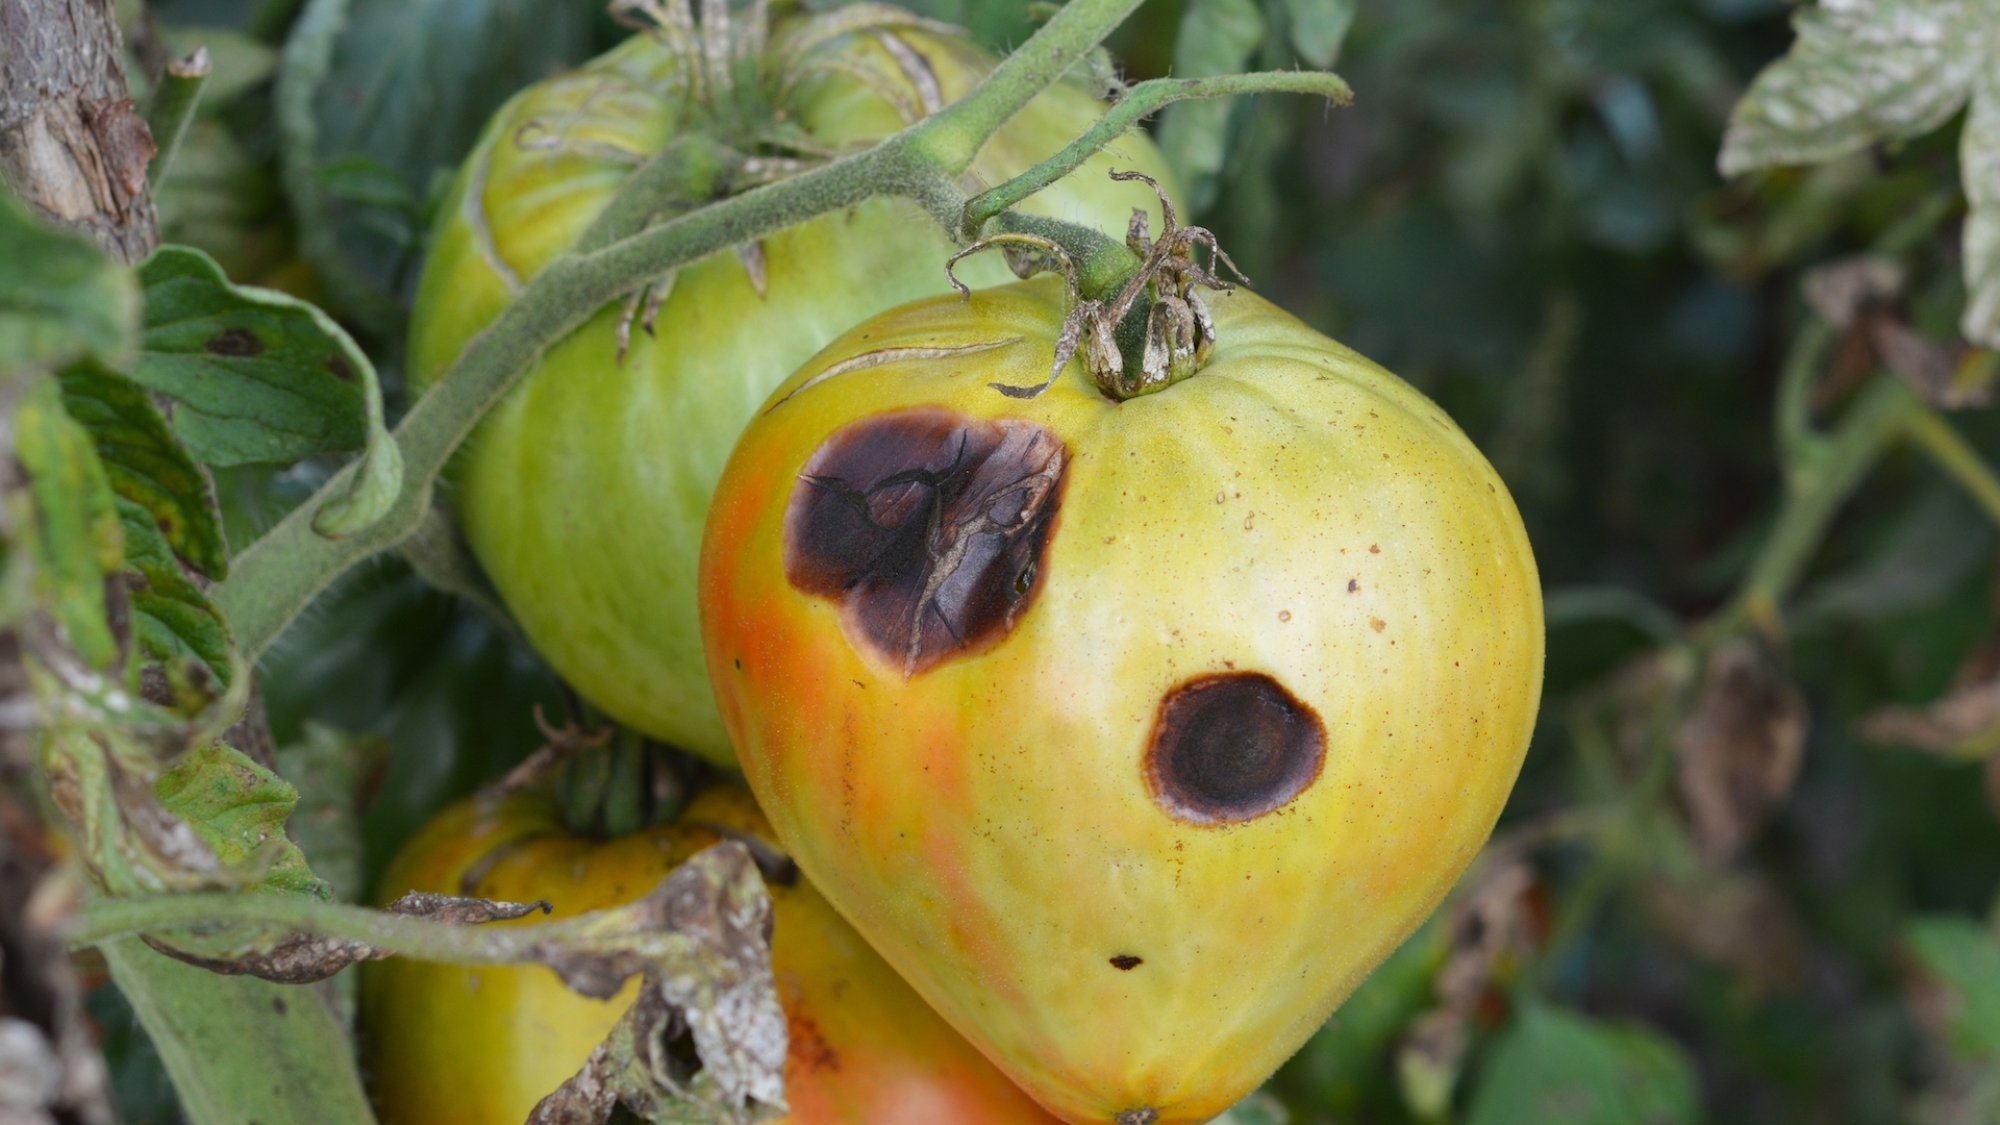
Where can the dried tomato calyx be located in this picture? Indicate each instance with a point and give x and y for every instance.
(1141, 336)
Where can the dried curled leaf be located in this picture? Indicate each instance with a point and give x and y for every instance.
(1965, 723)
(702, 941)
(1739, 749)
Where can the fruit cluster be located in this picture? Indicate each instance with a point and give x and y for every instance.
(1126, 711)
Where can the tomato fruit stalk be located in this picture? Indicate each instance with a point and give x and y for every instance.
(1133, 733)
(583, 492)
(452, 1045)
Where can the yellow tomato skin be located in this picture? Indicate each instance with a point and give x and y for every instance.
(452, 1045)
(989, 825)
(583, 491)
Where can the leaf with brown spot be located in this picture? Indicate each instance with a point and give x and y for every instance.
(1739, 749)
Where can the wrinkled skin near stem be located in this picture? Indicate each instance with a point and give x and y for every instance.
(281, 573)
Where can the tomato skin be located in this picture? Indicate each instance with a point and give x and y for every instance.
(453, 1045)
(1292, 515)
(583, 492)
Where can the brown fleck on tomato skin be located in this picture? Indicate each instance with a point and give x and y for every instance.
(451, 1045)
(1049, 834)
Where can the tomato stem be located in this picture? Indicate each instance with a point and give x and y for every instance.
(1140, 102)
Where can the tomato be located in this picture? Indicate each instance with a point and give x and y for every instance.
(583, 492)
(451, 1045)
(1133, 733)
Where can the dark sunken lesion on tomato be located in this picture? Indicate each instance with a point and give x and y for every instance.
(928, 527)
(1231, 747)
(1126, 962)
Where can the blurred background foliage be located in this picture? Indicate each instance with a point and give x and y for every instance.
(1723, 891)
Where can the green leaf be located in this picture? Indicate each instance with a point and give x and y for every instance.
(1979, 164)
(239, 808)
(146, 464)
(172, 617)
(76, 535)
(59, 297)
(263, 376)
(1860, 72)
(1964, 957)
(1557, 1068)
(241, 1050)
(1319, 27)
(1215, 37)
(330, 769)
(408, 85)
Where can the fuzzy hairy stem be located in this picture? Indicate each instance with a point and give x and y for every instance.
(281, 573)
(1140, 102)
(419, 939)
(1814, 492)
(1955, 456)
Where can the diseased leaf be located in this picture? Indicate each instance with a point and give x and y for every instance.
(239, 809)
(263, 376)
(1215, 37)
(1319, 27)
(76, 535)
(1860, 71)
(257, 376)
(1979, 165)
(146, 464)
(1556, 1068)
(172, 617)
(1740, 748)
(407, 85)
(59, 297)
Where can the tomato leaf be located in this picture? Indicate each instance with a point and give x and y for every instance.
(1319, 27)
(1979, 164)
(406, 85)
(146, 464)
(1963, 958)
(172, 617)
(241, 1049)
(331, 769)
(77, 541)
(239, 808)
(263, 376)
(1215, 37)
(1558, 1068)
(1876, 70)
(59, 297)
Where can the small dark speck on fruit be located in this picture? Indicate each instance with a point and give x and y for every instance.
(1374, 549)
(278, 1006)
(859, 684)
(1353, 587)
(1284, 615)
(739, 664)
(1125, 962)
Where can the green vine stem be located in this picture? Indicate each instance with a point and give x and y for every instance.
(1138, 103)
(281, 573)
(1823, 469)
(419, 939)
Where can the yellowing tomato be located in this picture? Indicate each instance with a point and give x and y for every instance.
(583, 493)
(461, 1045)
(1134, 734)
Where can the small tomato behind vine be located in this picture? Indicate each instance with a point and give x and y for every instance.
(458, 1045)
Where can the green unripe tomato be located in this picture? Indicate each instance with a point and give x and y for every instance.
(584, 491)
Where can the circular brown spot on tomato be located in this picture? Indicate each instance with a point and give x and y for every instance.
(1125, 962)
(1232, 747)
(928, 527)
